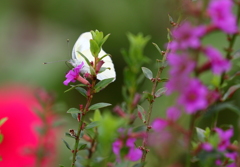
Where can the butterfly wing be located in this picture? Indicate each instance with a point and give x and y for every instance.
(108, 73)
(83, 45)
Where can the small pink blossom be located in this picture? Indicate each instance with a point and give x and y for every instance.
(173, 113)
(134, 154)
(220, 11)
(225, 137)
(218, 63)
(187, 36)
(207, 146)
(72, 75)
(193, 98)
(181, 68)
(159, 124)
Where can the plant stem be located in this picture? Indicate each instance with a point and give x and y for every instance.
(149, 114)
(190, 135)
(154, 87)
(77, 139)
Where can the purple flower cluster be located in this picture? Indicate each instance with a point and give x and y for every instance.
(184, 50)
(222, 16)
(222, 146)
(134, 154)
(124, 146)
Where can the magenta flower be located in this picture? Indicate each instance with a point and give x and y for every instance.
(72, 75)
(193, 98)
(181, 68)
(173, 113)
(225, 137)
(218, 63)
(222, 16)
(134, 154)
(207, 146)
(20, 142)
(187, 36)
(159, 124)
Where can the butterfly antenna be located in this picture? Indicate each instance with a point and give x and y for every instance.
(68, 43)
(54, 61)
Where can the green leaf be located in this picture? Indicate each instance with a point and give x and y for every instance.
(74, 115)
(97, 115)
(148, 73)
(92, 71)
(69, 135)
(61, 165)
(82, 146)
(92, 125)
(73, 86)
(141, 113)
(99, 105)
(102, 69)
(66, 144)
(1, 138)
(82, 91)
(164, 80)
(160, 92)
(148, 96)
(170, 19)
(104, 40)
(141, 128)
(85, 58)
(95, 49)
(104, 56)
(221, 106)
(3, 120)
(73, 110)
(200, 134)
(230, 92)
(102, 84)
(157, 47)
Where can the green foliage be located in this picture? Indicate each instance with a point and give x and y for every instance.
(3, 120)
(148, 73)
(141, 113)
(66, 144)
(107, 132)
(160, 92)
(99, 105)
(97, 42)
(102, 84)
(134, 58)
(73, 110)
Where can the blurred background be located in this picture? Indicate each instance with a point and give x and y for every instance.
(33, 32)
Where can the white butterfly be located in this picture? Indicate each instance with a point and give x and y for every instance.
(83, 45)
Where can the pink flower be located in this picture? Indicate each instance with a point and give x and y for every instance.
(207, 146)
(187, 36)
(20, 137)
(218, 63)
(159, 124)
(225, 137)
(181, 68)
(133, 154)
(193, 98)
(72, 75)
(173, 113)
(18, 131)
(222, 16)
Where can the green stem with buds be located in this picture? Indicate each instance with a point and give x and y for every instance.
(85, 110)
(154, 87)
